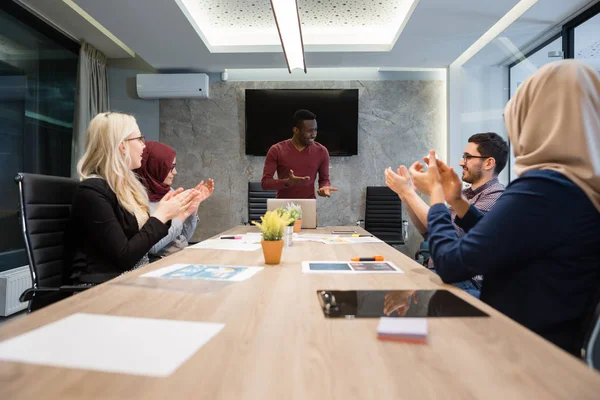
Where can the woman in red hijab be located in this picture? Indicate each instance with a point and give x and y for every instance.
(156, 173)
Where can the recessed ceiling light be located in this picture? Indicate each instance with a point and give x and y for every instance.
(376, 28)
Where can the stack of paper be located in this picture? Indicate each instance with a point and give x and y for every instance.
(411, 330)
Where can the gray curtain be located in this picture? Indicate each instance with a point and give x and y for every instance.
(91, 97)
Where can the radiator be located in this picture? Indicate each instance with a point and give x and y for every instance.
(12, 283)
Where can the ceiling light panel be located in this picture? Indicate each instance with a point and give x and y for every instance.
(327, 25)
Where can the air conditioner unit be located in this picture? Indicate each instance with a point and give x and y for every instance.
(172, 86)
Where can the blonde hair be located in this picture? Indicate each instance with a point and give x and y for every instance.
(103, 159)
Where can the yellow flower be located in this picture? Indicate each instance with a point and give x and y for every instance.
(272, 225)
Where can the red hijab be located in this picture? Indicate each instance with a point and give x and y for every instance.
(157, 161)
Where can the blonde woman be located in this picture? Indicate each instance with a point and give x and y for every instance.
(111, 229)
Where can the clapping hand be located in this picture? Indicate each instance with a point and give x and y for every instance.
(205, 189)
(451, 183)
(399, 182)
(192, 208)
(425, 180)
(173, 204)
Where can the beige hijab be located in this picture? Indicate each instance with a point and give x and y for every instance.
(553, 123)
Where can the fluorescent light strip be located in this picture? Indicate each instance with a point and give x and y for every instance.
(515, 13)
(290, 33)
(98, 26)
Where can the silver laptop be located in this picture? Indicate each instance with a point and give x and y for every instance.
(309, 209)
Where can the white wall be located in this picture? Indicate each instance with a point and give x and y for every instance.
(123, 96)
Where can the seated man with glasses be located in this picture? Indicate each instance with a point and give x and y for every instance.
(484, 158)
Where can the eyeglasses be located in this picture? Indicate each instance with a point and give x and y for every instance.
(141, 138)
(466, 157)
(173, 167)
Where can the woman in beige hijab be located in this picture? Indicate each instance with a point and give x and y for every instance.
(539, 247)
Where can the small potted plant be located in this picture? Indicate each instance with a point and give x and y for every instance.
(272, 226)
(295, 212)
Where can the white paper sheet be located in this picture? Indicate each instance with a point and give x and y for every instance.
(226, 244)
(351, 267)
(335, 239)
(303, 239)
(315, 236)
(365, 239)
(204, 271)
(137, 346)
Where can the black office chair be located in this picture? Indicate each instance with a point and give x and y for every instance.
(423, 255)
(383, 215)
(257, 201)
(45, 209)
(590, 351)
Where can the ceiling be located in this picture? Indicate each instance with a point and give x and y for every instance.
(64, 15)
(539, 19)
(436, 34)
(171, 38)
(327, 25)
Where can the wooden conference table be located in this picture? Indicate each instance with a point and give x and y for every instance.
(276, 344)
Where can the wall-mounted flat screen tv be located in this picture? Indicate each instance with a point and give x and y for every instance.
(269, 115)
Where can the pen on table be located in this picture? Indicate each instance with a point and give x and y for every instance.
(231, 237)
(359, 235)
(374, 258)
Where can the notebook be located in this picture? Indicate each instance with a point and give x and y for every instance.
(411, 330)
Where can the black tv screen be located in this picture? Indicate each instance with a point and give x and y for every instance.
(269, 115)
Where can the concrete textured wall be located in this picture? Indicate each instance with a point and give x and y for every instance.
(399, 121)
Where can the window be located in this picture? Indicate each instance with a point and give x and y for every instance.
(38, 73)
(580, 39)
(586, 42)
(544, 54)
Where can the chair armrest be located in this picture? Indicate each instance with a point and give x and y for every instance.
(31, 292)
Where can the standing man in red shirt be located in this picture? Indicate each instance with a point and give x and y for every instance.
(297, 161)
